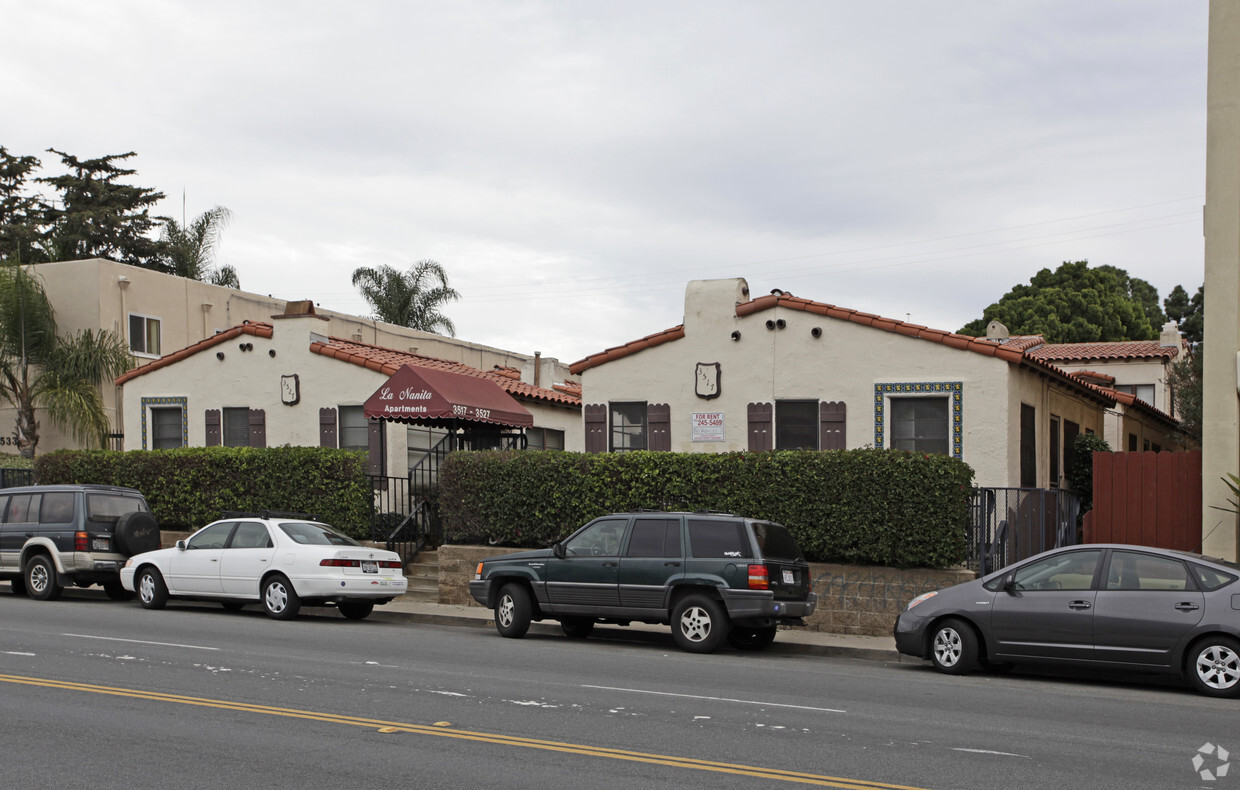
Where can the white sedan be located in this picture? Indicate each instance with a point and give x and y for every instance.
(282, 562)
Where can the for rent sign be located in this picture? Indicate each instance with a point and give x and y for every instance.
(706, 426)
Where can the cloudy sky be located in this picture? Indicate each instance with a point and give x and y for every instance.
(574, 164)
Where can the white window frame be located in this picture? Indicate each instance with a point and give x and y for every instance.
(147, 320)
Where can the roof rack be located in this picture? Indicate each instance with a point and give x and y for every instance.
(706, 512)
(269, 514)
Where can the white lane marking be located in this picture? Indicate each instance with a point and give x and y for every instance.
(140, 642)
(988, 751)
(14, 653)
(717, 699)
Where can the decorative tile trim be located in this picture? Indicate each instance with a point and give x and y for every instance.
(954, 389)
(181, 401)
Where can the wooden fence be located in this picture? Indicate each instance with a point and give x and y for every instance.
(1146, 499)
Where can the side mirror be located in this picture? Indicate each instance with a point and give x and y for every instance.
(181, 545)
(557, 549)
(1009, 584)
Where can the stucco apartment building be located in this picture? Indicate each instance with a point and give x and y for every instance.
(777, 371)
(158, 314)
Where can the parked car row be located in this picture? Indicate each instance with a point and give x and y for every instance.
(712, 577)
(51, 536)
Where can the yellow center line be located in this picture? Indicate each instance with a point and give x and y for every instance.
(467, 735)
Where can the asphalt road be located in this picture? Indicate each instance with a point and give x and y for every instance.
(99, 694)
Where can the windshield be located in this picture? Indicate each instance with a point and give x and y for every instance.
(312, 534)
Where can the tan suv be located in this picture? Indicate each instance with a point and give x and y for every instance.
(55, 535)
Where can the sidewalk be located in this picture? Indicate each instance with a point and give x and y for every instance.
(789, 640)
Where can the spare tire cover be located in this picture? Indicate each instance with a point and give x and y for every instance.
(137, 532)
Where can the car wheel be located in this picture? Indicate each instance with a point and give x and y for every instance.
(356, 610)
(233, 606)
(136, 532)
(1214, 667)
(953, 648)
(280, 599)
(116, 592)
(577, 627)
(18, 585)
(152, 592)
(42, 583)
(699, 624)
(752, 638)
(513, 611)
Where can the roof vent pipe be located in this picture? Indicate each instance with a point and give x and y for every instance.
(537, 368)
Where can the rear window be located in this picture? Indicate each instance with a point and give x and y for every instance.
(718, 539)
(776, 542)
(315, 534)
(108, 508)
(1210, 579)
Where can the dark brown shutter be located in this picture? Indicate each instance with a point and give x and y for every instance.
(596, 427)
(213, 427)
(760, 436)
(832, 416)
(377, 446)
(258, 428)
(659, 423)
(327, 428)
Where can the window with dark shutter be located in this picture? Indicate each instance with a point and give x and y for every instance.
(628, 426)
(596, 427)
(327, 427)
(258, 428)
(212, 421)
(832, 416)
(759, 417)
(796, 425)
(236, 430)
(1028, 446)
(377, 445)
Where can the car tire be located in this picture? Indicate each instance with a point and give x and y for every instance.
(18, 585)
(117, 592)
(752, 639)
(42, 582)
(135, 533)
(513, 611)
(280, 599)
(233, 606)
(152, 592)
(953, 647)
(577, 627)
(356, 610)
(699, 624)
(1214, 666)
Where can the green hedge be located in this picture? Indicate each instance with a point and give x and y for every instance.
(190, 486)
(867, 507)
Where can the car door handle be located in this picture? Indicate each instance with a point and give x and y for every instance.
(1079, 605)
(609, 564)
(672, 564)
(1187, 606)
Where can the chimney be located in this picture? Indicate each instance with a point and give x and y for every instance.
(1170, 336)
(997, 332)
(537, 368)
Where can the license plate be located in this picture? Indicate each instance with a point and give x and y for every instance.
(370, 567)
(789, 577)
(99, 544)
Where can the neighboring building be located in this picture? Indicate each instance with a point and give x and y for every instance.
(158, 313)
(782, 372)
(1221, 380)
(286, 381)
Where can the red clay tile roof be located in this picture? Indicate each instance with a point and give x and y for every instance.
(1082, 352)
(258, 329)
(1093, 377)
(379, 359)
(616, 352)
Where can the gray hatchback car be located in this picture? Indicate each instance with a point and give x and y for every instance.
(1125, 607)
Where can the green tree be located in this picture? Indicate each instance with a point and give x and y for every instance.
(191, 248)
(20, 212)
(97, 216)
(1076, 304)
(1188, 314)
(411, 298)
(42, 369)
(1184, 379)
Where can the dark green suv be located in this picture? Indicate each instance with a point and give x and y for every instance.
(711, 576)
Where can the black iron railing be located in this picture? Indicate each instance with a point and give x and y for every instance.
(1007, 525)
(10, 478)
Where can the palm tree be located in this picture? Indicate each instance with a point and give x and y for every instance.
(191, 248)
(412, 298)
(40, 369)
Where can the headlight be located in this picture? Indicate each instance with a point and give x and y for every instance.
(920, 598)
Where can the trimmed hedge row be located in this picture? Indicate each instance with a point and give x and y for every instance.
(866, 507)
(190, 486)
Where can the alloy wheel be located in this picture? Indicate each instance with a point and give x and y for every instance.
(947, 647)
(1218, 667)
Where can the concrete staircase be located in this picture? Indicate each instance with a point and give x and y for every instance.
(423, 575)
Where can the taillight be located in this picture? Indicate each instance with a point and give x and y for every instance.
(389, 564)
(81, 541)
(759, 578)
(340, 563)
